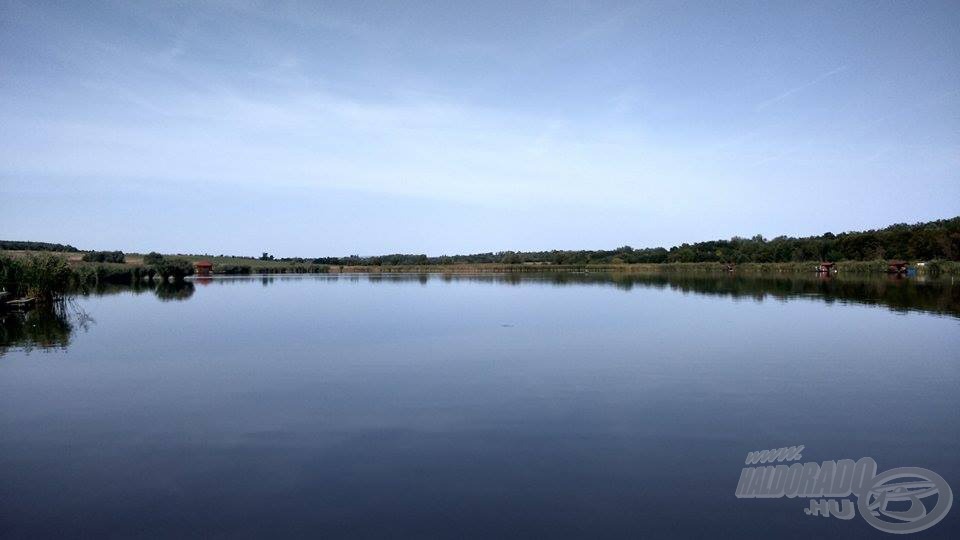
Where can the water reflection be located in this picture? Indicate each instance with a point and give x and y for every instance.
(895, 292)
(428, 405)
(174, 292)
(48, 327)
(51, 327)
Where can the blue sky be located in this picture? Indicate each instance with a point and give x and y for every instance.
(335, 128)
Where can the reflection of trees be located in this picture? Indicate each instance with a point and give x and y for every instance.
(110, 289)
(895, 292)
(52, 325)
(47, 326)
(175, 291)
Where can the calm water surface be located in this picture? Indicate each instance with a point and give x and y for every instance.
(480, 407)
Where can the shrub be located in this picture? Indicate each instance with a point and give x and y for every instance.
(104, 256)
(234, 269)
(152, 259)
(175, 268)
(11, 275)
(45, 276)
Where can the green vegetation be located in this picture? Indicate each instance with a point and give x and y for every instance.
(99, 274)
(104, 256)
(45, 275)
(14, 245)
(171, 267)
(235, 269)
(935, 240)
(152, 259)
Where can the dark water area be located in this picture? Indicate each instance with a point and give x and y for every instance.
(431, 406)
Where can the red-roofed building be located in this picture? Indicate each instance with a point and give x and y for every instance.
(203, 268)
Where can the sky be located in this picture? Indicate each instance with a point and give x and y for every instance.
(338, 128)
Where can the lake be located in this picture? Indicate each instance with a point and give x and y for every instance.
(485, 406)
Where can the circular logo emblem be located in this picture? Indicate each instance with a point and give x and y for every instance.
(895, 503)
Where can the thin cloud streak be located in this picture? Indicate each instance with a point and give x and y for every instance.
(764, 104)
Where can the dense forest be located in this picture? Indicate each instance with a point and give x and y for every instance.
(934, 240)
(15, 245)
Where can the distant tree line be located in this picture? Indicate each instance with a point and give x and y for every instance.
(934, 240)
(922, 241)
(104, 256)
(16, 245)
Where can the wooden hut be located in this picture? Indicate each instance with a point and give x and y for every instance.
(203, 268)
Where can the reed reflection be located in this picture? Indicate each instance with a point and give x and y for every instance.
(51, 327)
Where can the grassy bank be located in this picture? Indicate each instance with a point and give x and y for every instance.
(45, 275)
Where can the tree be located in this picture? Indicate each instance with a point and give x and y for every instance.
(152, 259)
(175, 268)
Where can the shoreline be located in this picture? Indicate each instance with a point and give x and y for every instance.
(808, 267)
(241, 266)
(47, 275)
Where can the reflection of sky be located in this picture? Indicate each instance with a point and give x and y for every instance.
(402, 407)
(307, 129)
